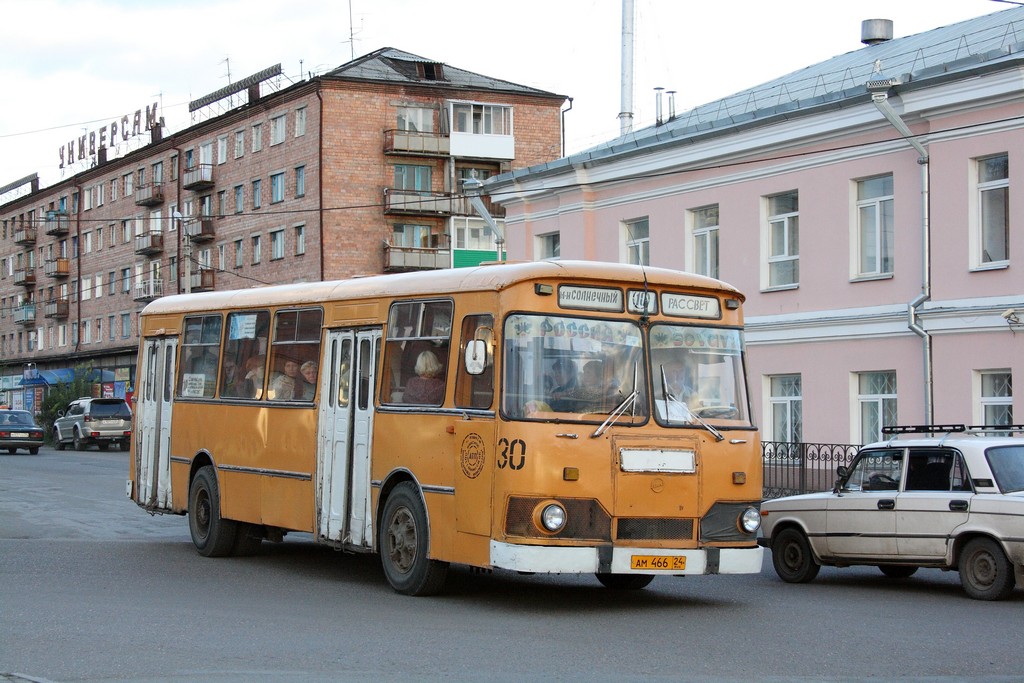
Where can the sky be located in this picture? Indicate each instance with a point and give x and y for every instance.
(73, 66)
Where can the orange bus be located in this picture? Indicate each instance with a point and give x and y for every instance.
(555, 416)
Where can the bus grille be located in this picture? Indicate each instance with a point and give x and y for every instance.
(585, 519)
(643, 529)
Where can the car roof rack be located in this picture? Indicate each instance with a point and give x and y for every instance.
(924, 429)
(1003, 429)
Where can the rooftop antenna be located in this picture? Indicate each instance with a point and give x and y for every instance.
(351, 34)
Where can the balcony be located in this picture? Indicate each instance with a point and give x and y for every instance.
(26, 237)
(25, 314)
(417, 202)
(200, 229)
(202, 281)
(412, 143)
(404, 259)
(57, 223)
(25, 277)
(149, 242)
(198, 177)
(149, 195)
(59, 267)
(56, 309)
(147, 290)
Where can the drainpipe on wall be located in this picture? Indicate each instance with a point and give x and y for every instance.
(879, 87)
(320, 181)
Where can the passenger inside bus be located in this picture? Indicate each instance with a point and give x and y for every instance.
(288, 385)
(308, 370)
(427, 387)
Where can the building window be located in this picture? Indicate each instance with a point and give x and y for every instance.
(99, 285)
(257, 137)
(482, 119)
(257, 198)
(222, 257)
(222, 149)
(99, 330)
(705, 240)
(126, 325)
(158, 173)
(549, 246)
(276, 244)
(875, 226)
(276, 188)
(206, 153)
(99, 237)
(786, 408)
(257, 249)
(783, 240)
(638, 242)
(416, 119)
(238, 253)
(473, 233)
(300, 240)
(239, 199)
(414, 178)
(86, 288)
(300, 122)
(112, 282)
(86, 242)
(277, 130)
(411, 236)
(239, 144)
(126, 280)
(300, 181)
(876, 396)
(996, 397)
(994, 210)
(222, 203)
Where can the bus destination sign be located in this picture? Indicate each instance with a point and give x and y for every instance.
(590, 298)
(686, 306)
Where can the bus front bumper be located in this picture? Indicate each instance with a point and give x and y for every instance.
(610, 560)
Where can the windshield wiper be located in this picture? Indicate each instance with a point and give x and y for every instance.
(619, 410)
(689, 415)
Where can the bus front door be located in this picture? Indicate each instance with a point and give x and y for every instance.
(153, 424)
(344, 437)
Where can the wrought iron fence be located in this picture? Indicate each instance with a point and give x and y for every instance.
(792, 468)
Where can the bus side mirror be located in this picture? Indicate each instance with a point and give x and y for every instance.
(476, 357)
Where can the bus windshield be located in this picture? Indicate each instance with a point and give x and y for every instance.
(697, 374)
(573, 369)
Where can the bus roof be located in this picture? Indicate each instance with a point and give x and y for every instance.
(487, 277)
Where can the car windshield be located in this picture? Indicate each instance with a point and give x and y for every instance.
(1007, 465)
(573, 369)
(117, 410)
(16, 417)
(697, 374)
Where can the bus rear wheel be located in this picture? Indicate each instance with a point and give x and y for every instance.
(625, 582)
(212, 535)
(404, 544)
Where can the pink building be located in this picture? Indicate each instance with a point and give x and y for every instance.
(866, 205)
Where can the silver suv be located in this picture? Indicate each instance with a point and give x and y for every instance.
(100, 421)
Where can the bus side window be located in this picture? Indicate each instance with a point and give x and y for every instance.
(245, 349)
(200, 357)
(418, 334)
(476, 391)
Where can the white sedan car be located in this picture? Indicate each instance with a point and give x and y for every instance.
(953, 501)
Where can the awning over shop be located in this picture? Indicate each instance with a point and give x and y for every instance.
(49, 377)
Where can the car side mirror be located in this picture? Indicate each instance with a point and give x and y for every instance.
(476, 357)
(60, 413)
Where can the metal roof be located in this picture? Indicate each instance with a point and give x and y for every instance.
(389, 65)
(948, 52)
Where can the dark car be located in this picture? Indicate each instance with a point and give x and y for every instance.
(18, 429)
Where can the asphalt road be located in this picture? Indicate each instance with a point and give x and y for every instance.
(94, 589)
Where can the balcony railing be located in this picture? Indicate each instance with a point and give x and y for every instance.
(147, 290)
(149, 195)
(59, 267)
(149, 242)
(25, 314)
(417, 202)
(200, 229)
(198, 177)
(26, 236)
(25, 277)
(203, 281)
(56, 309)
(57, 223)
(402, 259)
(412, 143)
(794, 468)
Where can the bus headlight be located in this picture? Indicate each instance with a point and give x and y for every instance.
(553, 517)
(750, 520)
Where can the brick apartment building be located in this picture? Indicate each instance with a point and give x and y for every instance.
(353, 172)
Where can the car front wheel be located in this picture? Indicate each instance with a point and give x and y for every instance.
(985, 572)
(792, 557)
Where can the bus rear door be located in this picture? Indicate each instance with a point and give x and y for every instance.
(153, 424)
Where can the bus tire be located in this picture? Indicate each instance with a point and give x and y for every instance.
(792, 557)
(985, 573)
(212, 535)
(625, 582)
(404, 543)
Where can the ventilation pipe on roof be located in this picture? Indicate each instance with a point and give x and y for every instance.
(626, 93)
(657, 105)
(671, 104)
(879, 86)
(874, 31)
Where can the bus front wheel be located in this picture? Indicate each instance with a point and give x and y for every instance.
(212, 535)
(404, 544)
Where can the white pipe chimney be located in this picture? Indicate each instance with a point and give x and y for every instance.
(657, 105)
(626, 101)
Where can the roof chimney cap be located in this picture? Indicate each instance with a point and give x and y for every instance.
(873, 31)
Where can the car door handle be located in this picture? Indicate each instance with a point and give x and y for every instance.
(958, 505)
(887, 504)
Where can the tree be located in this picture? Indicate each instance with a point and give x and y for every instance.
(60, 395)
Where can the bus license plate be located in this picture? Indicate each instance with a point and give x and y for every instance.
(667, 562)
